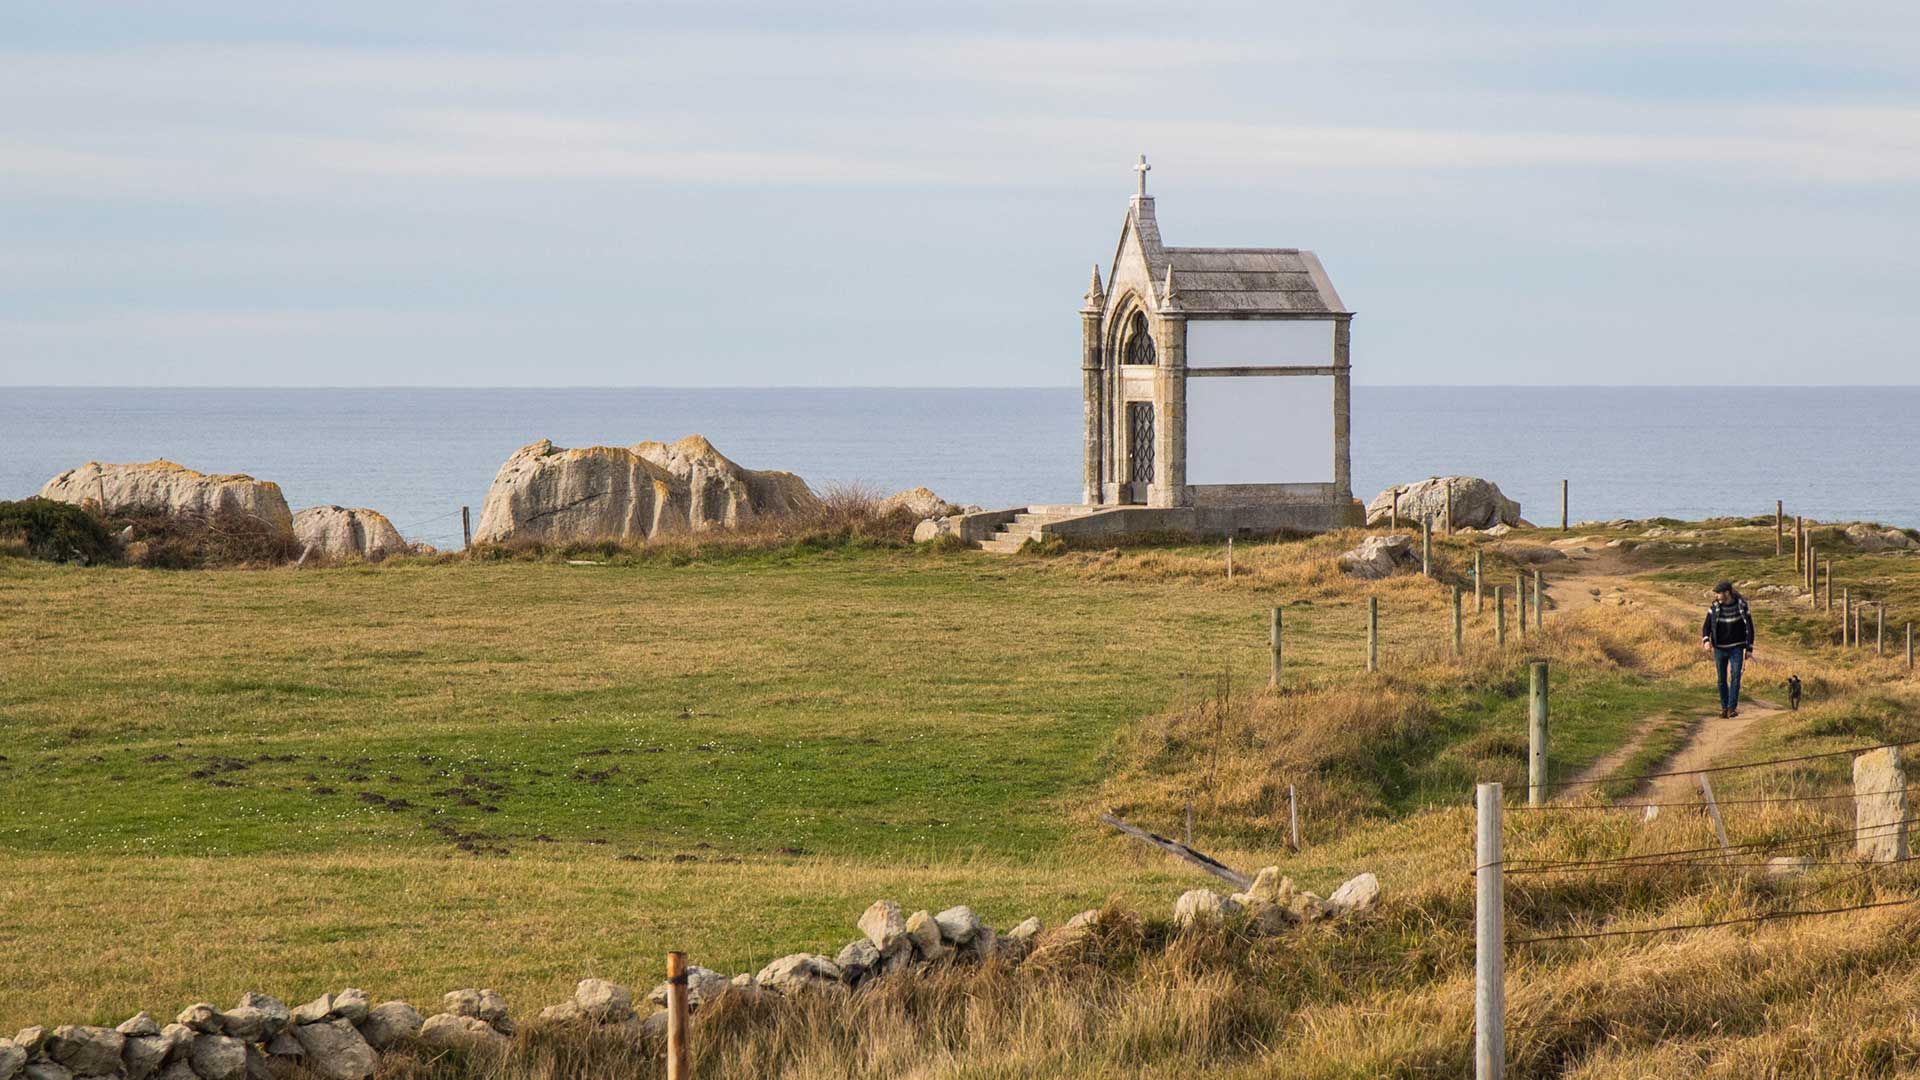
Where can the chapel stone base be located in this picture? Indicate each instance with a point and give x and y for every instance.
(1214, 514)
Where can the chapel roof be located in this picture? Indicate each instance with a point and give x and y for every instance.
(1251, 281)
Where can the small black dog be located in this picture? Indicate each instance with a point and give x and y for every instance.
(1793, 692)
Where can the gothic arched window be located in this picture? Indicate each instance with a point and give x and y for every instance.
(1139, 348)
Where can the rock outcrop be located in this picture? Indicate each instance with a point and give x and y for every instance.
(1381, 556)
(545, 492)
(338, 532)
(162, 487)
(1477, 503)
(1874, 538)
(920, 502)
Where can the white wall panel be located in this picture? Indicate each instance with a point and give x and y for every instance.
(1260, 429)
(1250, 342)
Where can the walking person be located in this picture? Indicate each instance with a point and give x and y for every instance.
(1728, 635)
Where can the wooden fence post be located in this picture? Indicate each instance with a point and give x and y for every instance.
(1393, 518)
(1459, 629)
(1799, 543)
(1479, 601)
(1537, 734)
(1846, 616)
(1563, 506)
(466, 529)
(1489, 941)
(1826, 571)
(1520, 603)
(1426, 546)
(1499, 614)
(678, 1062)
(1293, 817)
(1713, 810)
(1229, 558)
(1273, 634)
(1449, 506)
(1779, 528)
(1539, 604)
(1373, 633)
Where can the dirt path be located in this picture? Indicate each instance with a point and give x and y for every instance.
(1597, 576)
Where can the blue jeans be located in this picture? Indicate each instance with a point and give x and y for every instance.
(1728, 662)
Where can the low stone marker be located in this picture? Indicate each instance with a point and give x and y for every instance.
(1880, 806)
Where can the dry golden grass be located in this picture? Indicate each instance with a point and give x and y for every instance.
(1384, 764)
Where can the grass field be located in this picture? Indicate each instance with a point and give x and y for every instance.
(522, 772)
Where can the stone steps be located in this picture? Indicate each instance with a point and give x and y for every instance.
(1030, 524)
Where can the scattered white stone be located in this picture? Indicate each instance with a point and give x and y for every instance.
(1381, 556)
(87, 1050)
(142, 1056)
(463, 1003)
(1789, 865)
(218, 1057)
(857, 960)
(139, 1023)
(272, 1008)
(607, 1002)
(493, 1007)
(313, 1011)
(1203, 908)
(388, 1023)
(958, 924)
(1356, 894)
(798, 973)
(884, 925)
(336, 1050)
(703, 985)
(350, 1005)
(202, 1017)
(31, 1039)
(244, 1022)
(452, 1030)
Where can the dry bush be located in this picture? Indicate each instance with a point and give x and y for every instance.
(185, 541)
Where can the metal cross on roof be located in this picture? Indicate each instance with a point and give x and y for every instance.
(1142, 169)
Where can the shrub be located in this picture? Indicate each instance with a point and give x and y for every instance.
(56, 531)
(185, 541)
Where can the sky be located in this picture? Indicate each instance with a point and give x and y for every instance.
(888, 193)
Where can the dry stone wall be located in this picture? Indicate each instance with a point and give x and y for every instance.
(341, 1036)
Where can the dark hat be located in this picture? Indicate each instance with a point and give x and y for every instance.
(1723, 587)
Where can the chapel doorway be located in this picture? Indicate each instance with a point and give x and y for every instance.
(1139, 451)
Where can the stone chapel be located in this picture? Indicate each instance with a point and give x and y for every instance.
(1216, 385)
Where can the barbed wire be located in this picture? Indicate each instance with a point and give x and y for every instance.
(1764, 917)
(1721, 802)
(1655, 858)
(1743, 765)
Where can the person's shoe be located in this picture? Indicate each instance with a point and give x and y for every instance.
(1723, 712)
(1731, 713)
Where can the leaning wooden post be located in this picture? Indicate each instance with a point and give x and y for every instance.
(678, 1066)
(1489, 941)
(1520, 603)
(1563, 506)
(1373, 633)
(1537, 734)
(1499, 614)
(1539, 604)
(1779, 528)
(1459, 628)
(1479, 601)
(1426, 546)
(1273, 635)
(1713, 809)
(1880, 806)
(466, 529)
(1293, 817)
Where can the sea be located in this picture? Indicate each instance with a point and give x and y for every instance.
(419, 455)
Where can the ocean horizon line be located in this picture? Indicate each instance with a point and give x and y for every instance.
(915, 388)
